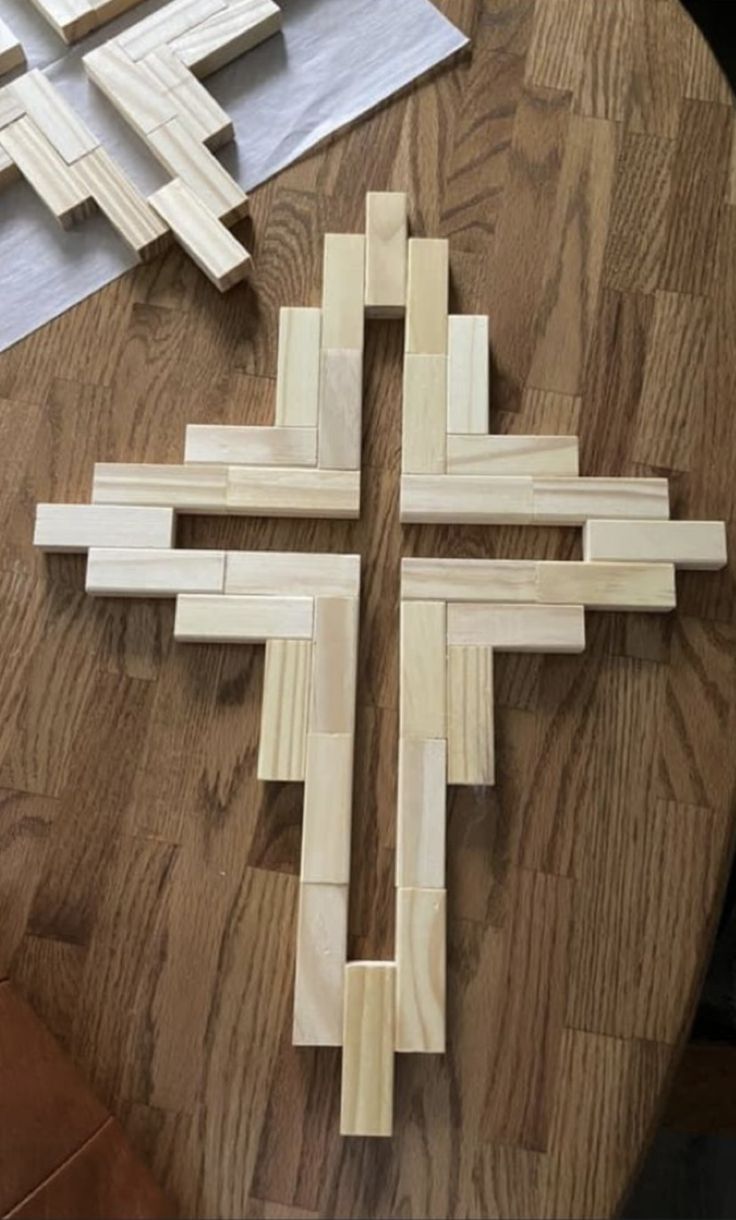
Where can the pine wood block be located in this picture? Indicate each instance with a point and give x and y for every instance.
(385, 254)
(10, 107)
(196, 167)
(470, 744)
(77, 527)
(334, 665)
(340, 409)
(275, 573)
(12, 54)
(168, 71)
(242, 620)
(207, 242)
(258, 491)
(420, 830)
(468, 387)
(426, 296)
(71, 19)
(422, 697)
(423, 415)
(127, 211)
(686, 544)
(421, 955)
(55, 182)
(123, 572)
(343, 291)
(328, 803)
(321, 950)
(287, 680)
(366, 1105)
(608, 586)
(108, 10)
(574, 501)
(298, 371)
(167, 24)
(469, 498)
(252, 446)
(472, 580)
(224, 35)
(199, 111)
(133, 89)
(53, 117)
(515, 628)
(509, 455)
(192, 489)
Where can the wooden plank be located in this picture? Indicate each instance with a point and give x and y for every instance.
(386, 231)
(132, 88)
(422, 695)
(229, 619)
(328, 804)
(225, 35)
(426, 296)
(421, 956)
(53, 116)
(10, 107)
(343, 291)
(251, 446)
(686, 544)
(470, 730)
(291, 572)
(196, 167)
(421, 812)
(525, 455)
(575, 501)
(335, 665)
(127, 211)
(468, 388)
(199, 111)
(321, 950)
(340, 409)
(72, 19)
(514, 628)
(424, 414)
(471, 499)
(192, 489)
(287, 677)
(76, 527)
(608, 586)
(12, 54)
(55, 182)
(166, 24)
(257, 491)
(198, 231)
(472, 580)
(366, 1105)
(298, 371)
(123, 572)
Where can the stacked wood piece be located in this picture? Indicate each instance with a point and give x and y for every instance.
(74, 19)
(12, 54)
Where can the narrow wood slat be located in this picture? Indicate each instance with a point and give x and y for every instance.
(153, 572)
(321, 950)
(422, 689)
(287, 679)
(421, 953)
(242, 620)
(366, 1105)
(470, 728)
(514, 628)
(250, 446)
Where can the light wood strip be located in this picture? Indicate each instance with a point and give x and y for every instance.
(53, 116)
(472, 499)
(194, 165)
(385, 254)
(122, 572)
(468, 389)
(321, 950)
(287, 678)
(224, 35)
(258, 491)
(133, 89)
(289, 572)
(343, 291)
(242, 620)
(251, 446)
(140, 227)
(194, 489)
(426, 296)
(575, 501)
(424, 414)
(298, 372)
(473, 580)
(198, 230)
(76, 527)
(12, 54)
(55, 182)
(166, 24)
(686, 544)
(470, 730)
(608, 586)
(514, 628)
(421, 954)
(335, 665)
(328, 803)
(509, 455)
(421, 818)
(422, 696)
(366, 1107)
(340, 409)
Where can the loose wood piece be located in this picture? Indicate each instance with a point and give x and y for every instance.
(366, 1106)
(287, 677)
(343, 291)
(385, 254)
(524, 455)
(340, 409)
(53, 116)
(421, 813)
(292, 573)
(473, 580)
(127, 211)
(215, 251)
(77, 527)
(686, 544)
(286, 491)
(421, 953)
(472, 499)
(198, 110)
(298, 371)
(252, 446)
(422, 688)
(468, 389)
(514, 628)
(321, 950)
(424, 414)
(10, 107)
(194, 166)
(426, 296)
(328, 801)
(575, 501)
(12, 54)
(194, 489)
(224, 35)
(470, 740)
(335, 664)
(242, 620)
(55, 182)
(126, 572)
(608, 586)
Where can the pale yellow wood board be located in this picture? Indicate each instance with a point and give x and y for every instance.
(287, 677)
(473, 580)
(56, 183)
(133, 89)
(232, 31)
(335, 665)
(340, 408)
(135, 572)
(12, 54)
(251, 446)
(687, 544)
(166, 24)
(422, 813)
(258, 491)
(470, 742)
(343, 288)
(140, 227)
(468, 387)
(423, 648)
(321, 949)
(199, 111)
(196, 167)
(328, 802)
(470, 499)
(292, 573)
(574, 501)
(385, 254)
(72, 19)
(53, 116)
(608, 586)
(77, 527)
(510, 455)
(193, 488)
(229, 619)
(426, 296)
(366, 1106)
(421, 954)
(198, 231)
(423, 414)
(10, 107)
(515, 628)
(298, 371)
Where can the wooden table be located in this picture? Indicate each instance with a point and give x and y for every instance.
(579, 162)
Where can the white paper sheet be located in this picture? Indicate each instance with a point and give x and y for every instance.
(335, 60)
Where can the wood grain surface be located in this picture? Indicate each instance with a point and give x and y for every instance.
(578, 161)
